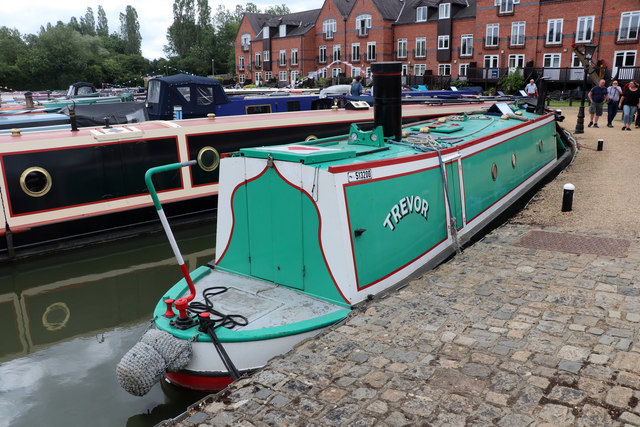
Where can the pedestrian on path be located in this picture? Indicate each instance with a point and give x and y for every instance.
(597, 97)
(614, 92)
(531, 89)
(629, 102)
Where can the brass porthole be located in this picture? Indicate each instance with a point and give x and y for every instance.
(494, 171)
(210, 156)
(35, 181)
(540, 145)
(513, 160)
(311, 138)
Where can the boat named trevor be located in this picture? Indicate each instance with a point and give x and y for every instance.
(305, 231)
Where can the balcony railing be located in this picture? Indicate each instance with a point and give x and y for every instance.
(363, 32)
(245, 48)
(565, 75)
(328, 36)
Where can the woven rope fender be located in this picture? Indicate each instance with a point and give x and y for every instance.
(146, 363)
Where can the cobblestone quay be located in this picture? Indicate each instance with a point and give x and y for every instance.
(504, 334)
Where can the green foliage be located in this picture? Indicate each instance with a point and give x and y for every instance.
(511, 83)
(459, 83)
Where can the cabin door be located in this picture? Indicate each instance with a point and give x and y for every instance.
(275, 230)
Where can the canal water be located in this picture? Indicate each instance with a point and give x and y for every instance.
(67, 319)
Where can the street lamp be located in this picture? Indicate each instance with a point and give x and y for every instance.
(589, 50)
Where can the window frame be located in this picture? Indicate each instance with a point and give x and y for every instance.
(444, 11)
(294, 56)
(265, 32)
(442, 69)
(366, 18)
(371, 46)
(444, 42)
(419, 67)
(353, 52)
(556, 24)
(585, 20)
(552, 57)
(515, 33)
(421, 47)
(322, 54)
(258, 59)
(631, 15)
(492, 27)
(282, 59)
(282, 30)
(329, 27)
(421, 14)
(469, 44)
(337, 49)
(402, 48)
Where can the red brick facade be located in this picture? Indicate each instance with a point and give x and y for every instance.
(499, 34)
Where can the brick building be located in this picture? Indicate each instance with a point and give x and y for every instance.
(478, 40)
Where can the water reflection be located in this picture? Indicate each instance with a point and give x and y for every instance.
(67, 319)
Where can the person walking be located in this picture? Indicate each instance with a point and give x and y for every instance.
(356, 87)
(531, 89)
(597, 97)
(614, 92)
(629, 102)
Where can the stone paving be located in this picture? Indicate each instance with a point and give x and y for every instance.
(500, 335)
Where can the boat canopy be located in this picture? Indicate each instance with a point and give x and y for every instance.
(116, 113)
(81, 89)
(196, 96)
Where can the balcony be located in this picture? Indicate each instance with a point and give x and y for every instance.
(245, 48)
(241, 67)
(363, 32)
(618, 40)
(328, 36)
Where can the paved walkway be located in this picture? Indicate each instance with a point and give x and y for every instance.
(515, 331)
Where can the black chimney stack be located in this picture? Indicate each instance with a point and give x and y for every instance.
(387, 98)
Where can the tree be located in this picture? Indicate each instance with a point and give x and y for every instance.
(102, 28)
(181, 35)
(88, 23)
(278, 10)
(130, 30)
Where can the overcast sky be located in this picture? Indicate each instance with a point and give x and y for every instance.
(155, 16)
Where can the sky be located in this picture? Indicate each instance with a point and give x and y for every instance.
(155, 16)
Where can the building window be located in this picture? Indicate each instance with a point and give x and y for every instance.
(322, 73)
(554, 31)
(294, 56)
(241, 62)
(575, 61)
(241, 79)
(466, 45)
(506, 6)
(258, 61)
(405, 69)
(402, 48)
(245, 40)
(283, 58)
(419, 69)
(322, 54)
(363, 24)
(551, 60)
(444, 69)
(294, 76)
(258, 78)
(516, 61)
(336, 52)
(463, 69)
(444, 11)
(371, 51)
(421, 14)
(283, 76)
(584, 32)
(265, 32)
(266, 56)
(355, 52)
(629, 22)
(329, 27)
(335, 72)
(282, 30)
(421, 47)
(491, 61)
(517, 33)
(493, 31)
(443, 42)
(355, 71)
(268, 75)
(624, 58)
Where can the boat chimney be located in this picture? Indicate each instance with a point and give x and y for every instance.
(28, 99)
(72, 118)
(387, 98)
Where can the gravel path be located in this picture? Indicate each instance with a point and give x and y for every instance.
(606, 196)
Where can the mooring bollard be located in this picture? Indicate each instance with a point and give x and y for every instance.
(567, 197)
(600, 144)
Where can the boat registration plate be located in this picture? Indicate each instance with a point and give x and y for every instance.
(359, 175)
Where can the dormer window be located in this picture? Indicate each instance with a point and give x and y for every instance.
(265, 32)
(421, 14)
(444, 11)
(329, 26)
(363, 24)
(506, 6)
(282, 30)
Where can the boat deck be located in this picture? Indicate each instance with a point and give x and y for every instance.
(264, 304)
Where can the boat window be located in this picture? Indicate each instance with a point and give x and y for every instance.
(153, 94)
(258, 109)
(293, 105)
(84, 90)
(185, 91)
(205, 95)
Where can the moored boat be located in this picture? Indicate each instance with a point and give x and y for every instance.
(306, 231)
(67, 188)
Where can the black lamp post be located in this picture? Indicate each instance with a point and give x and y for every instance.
(589, 50)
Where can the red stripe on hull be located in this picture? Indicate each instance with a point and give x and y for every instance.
(198, 382)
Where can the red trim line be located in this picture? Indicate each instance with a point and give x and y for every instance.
(199, 382)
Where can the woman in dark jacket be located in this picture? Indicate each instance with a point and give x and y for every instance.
(629, 102)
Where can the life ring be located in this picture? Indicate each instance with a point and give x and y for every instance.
(35, 181)
(311, 138)
(216, 159)
(55, 326)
